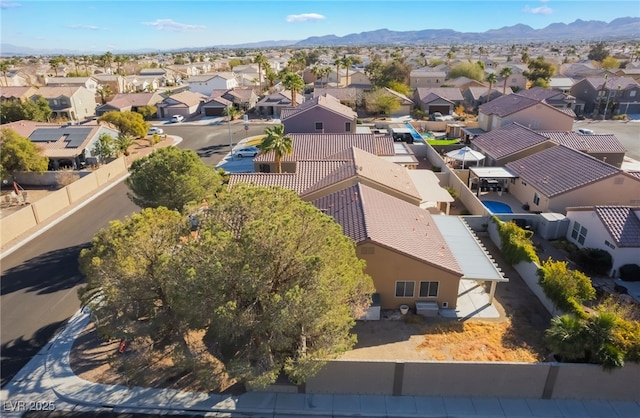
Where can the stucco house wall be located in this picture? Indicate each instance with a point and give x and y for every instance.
(539, 116)
(386, 267)
(305, 122)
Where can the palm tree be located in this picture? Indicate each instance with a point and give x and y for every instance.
(450, 55)
(260, 60)
(566, 338)
(326, 71)
(231, 112)
(505, 73)
(294, 83)
(317, 71)
(277, 142)
(107, 59)
(104, 91)
(337, 63)
(491, 78)
(346, 63)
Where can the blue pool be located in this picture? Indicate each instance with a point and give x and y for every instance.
(497, 207)
(416, 136)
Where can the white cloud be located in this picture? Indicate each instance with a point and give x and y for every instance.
(305, 17)
(6, 4)
(542, 10)
(78, 26)
(171, 26)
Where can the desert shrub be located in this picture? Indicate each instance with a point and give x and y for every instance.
(515, 243)
(566, 288)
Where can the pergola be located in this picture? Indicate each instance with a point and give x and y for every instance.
(498, 176)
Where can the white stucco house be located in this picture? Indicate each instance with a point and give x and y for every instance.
(207, 83)
(615, 229)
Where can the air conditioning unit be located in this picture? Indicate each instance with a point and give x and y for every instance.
(445, 305)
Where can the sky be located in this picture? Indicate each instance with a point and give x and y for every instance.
(125, 25)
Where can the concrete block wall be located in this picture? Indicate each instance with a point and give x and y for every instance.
(12, 226)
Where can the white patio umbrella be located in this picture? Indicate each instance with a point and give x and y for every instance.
(466, 154)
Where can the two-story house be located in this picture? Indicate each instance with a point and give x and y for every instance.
(425, 77)
(322, 114)
(207, 83)
(71, 103)
(610, 95)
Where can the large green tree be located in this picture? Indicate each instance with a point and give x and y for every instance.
(36, 109)
(540, 72)
(18, 153)
(598, 52)
(277, 142)
(127, 123)
(171, 177)
(467, 69)
(262, 291)
(381, 101)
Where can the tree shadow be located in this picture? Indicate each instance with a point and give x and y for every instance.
(47, 273)
(17, 353)
(212, 150)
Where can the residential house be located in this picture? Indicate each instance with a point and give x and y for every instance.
(616, 95)
(69, 146)
(207, 83)
(16, 78)
(129, 102)
(186, 103)
(242, 98)
(560, 177)
(476, 96)
(604, 147)
(438, 99)
(338, 79)
(249, 75)
(562, 84)
(426, 77)
(509, 143)
(463, 82)
(89, 82)
(185, 70)
(517, 81)
(71, 103)
(348, 96)
(215, 106)
(614, 229)
(358, 79)
(553, 98)
(322, 114)
(527, 111)
(272, 104)
(406, 104)
(25, 128)
(14, 93)
(116, 82)
(581, 69)
(626, 72)
(314, 146)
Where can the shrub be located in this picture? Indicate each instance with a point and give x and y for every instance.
(620, 117)
(630, 273)
(566, 288)
(594, 260)
(515, 243)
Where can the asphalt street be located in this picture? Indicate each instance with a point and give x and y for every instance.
(38, 288)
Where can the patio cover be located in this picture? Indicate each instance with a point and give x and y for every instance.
(429, 187)
(472, 257)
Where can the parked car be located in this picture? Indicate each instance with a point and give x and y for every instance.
(585, 131)
(154, 131)
(246, 152)
(177, 118)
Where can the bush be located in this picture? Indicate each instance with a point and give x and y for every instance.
(594, 261)
(630, 273)
(515, 243)
(620, 117)
(566, 288)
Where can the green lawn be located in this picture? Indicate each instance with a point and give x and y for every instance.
(442, 141)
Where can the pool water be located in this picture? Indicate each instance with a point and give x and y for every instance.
(497, 207)
(416, 136)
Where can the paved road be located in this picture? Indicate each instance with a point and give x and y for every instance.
(40, 280)
(627, 132)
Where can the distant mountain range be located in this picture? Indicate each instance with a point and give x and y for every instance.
(591, 30)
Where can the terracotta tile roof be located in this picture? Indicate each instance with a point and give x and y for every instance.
(134, 99)
(635, 174)
(507, 140)
(189, 98)
(320, 146)
(15, 92)
(560, 169)
(368, 214)
(343, 94)
(26, 127)
(586, 143)
(539, 93)
(622, 223)
(326, 102)
(54, 92)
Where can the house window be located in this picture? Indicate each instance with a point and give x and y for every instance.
(404, 289)
(429, 289)
(632, 93)
(367, 250)
(347, 127)
(319, 126)
(536, 199)
(523, 183)
(579, 232)
(55, 102)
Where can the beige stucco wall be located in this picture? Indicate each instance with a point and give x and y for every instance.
(109, 171)
(620, 189)
(541, 117)
(590, 381)
(471, 379)
(386, 267)
(82, 187)
(50, 204)
(13, 225)
(353, 377)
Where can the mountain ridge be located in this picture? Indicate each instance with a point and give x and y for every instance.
(579, 29)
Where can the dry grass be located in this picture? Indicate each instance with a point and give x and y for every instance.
(476, 341)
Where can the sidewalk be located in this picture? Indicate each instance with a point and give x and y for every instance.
(48, 379)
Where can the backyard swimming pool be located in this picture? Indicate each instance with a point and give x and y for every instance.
(497, 207)
(416, 136)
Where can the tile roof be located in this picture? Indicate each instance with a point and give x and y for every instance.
(319, 146)
(427, 95)
(368, 214)
(612, 83)
(585, 143)
(326, 101)
(622, 222)
(16, 91)
(67, 141)
(506, 105)
(189, 98)
(560, 169)
(507, 140)
(26, 127)
(54, 91)
(635, 174)
(342, 94)
(539, 93)
(134, 99)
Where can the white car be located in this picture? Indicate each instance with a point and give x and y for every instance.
(154, 130)
(177, 118)
(246, 152)
(585, 131)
